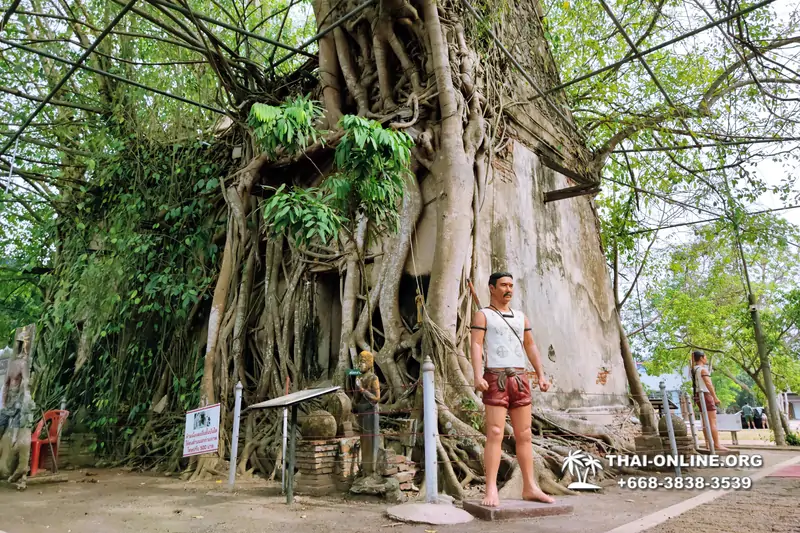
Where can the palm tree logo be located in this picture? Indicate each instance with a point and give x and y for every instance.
(580, 464)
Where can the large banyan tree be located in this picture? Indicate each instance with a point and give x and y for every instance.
(274, 243)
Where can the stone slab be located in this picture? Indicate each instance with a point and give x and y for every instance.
(429, 513)
(515, 509)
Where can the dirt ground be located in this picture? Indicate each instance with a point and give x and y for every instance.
(111, 501)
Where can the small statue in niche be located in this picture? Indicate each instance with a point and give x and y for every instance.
(368, 394)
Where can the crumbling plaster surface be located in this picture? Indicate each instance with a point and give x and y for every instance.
(561, 280)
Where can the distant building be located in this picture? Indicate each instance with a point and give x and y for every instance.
(672, 382)
(791, 402)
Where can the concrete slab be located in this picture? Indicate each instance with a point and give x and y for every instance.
(429, 513)
(515, 509)
(788, 471)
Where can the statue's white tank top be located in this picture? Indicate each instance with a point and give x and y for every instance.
(502, 347)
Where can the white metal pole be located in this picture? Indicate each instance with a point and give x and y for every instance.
(283, 453)
(431, 426)
(670, 430)
(237, 410)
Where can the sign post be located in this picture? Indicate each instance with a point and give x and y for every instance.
(202, 431)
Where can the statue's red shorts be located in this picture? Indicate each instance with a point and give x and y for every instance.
(710, 405)
(507, 390)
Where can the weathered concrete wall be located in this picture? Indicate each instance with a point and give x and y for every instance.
(562, 284)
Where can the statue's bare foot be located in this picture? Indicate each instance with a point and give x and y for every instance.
(536, 495)
(491, 499)
(722, 449)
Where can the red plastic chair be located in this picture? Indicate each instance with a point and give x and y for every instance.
(56, 419)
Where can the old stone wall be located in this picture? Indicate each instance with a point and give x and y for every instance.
(561, 278)
(545, 123)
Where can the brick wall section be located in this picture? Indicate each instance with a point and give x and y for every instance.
(392, 464)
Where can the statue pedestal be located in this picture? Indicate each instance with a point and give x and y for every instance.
(515, 509)
(316, 462)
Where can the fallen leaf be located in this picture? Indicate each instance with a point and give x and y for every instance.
(219, 481)
(302, 516)
(629, 501)
(198, 516)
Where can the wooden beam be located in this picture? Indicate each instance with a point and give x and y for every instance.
(571, 192)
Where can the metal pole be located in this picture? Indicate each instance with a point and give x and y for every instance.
(290, 469)
(283, 452)
(706, 425)
(670, 429)
(690, 408)
(376, 435)
(430, 426)
(283, 449)
(237, 410)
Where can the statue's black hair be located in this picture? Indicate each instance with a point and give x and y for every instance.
(497, 275)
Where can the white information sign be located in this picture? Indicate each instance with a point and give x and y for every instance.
(202, 431)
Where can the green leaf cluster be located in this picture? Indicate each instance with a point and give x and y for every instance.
(291, 125)
(370, 164)
(302, 214)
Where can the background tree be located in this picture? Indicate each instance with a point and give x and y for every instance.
(702, 304)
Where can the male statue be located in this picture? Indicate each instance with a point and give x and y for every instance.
(504, 336)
